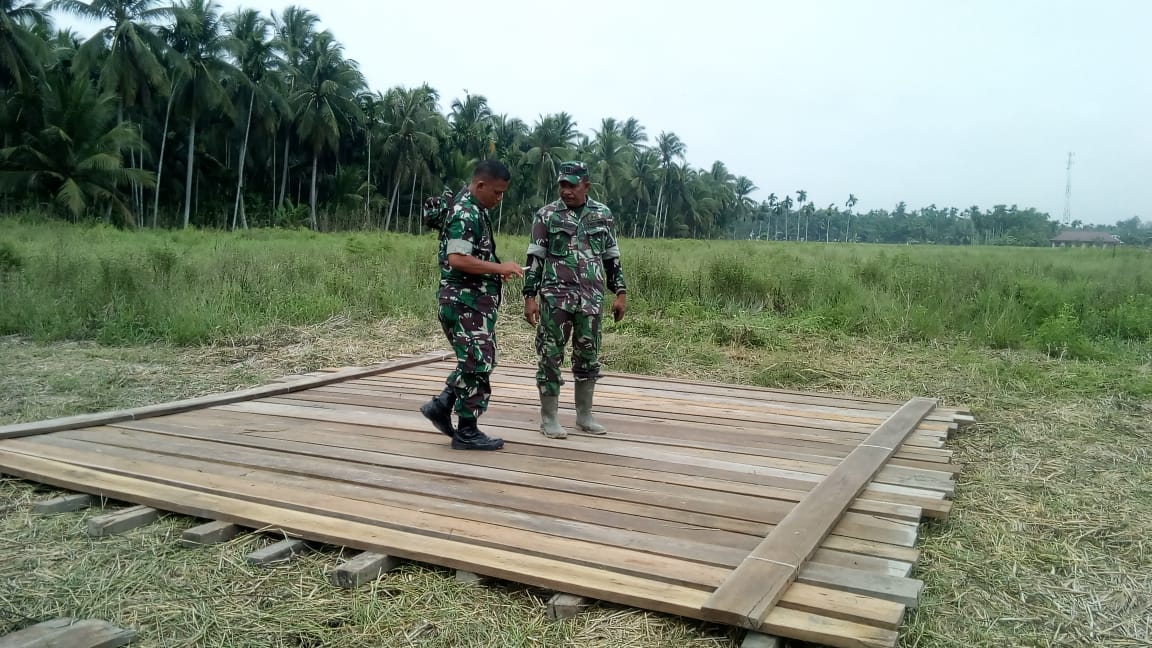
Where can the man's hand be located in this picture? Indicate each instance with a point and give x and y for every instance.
(531, 311)
(619, 305)
(472, 265)
(508, 269)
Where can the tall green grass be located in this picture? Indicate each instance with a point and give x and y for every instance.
(61, 281)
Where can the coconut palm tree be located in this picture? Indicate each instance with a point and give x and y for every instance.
(471, 121)
(550, 142)
(670, 149)
(415, 128)
(78, 157)
(257, 61)
(324, 102)
(198, 38)
(22, 54)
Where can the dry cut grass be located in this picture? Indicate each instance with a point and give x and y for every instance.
(1048, 544)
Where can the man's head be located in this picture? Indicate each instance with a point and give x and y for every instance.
(489, 182)
(574, 183)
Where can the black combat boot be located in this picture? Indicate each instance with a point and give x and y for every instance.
(469, 437)
(439, 410)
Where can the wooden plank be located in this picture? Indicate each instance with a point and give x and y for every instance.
(104, 418)
(277, 552)
(69, 633)
(667, 432)
(364, 568)
(209, 533)
(610, 383)
(642, 533)
(394, 427)
(846, 433)
(565, 606)
(619, 558)
(121, 521)
(755, 587)
(625, 396)
(686, 412)
(734, 460)
(841, 606)
(64, 504)
(582, 453)
(905, 591)
(521, 568)
(527, 372)
(571, 478)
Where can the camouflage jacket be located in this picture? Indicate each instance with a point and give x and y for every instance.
(578, 256)
(468, 230)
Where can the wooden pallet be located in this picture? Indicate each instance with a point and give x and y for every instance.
(788, 513)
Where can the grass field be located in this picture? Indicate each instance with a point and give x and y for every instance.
(1052, 349)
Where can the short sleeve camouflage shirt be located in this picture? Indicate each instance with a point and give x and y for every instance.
(468, 230)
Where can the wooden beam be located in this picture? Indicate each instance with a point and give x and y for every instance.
(121, 521)
(905, 591)
(277, 552)
(365, 567)
(565, 606)
(73, 633)
(276, 389)
(64, 504)
(210, 533)
(758, 640)
(754, 588)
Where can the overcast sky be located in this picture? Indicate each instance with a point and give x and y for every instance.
(958, 103)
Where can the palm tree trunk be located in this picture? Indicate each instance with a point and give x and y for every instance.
(188, 175)
(134, 188)
(420, 192)
(392, 203)
(243, 157)
(284, 176)
(160, 163)
(273, 174)
(312, 199)
(411, 201)
(659, 203)
(368, 185)
(848, 227)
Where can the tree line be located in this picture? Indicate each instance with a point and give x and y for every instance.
(183, 115)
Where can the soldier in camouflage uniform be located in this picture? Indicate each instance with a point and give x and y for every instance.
(469, 296)
(572, 258)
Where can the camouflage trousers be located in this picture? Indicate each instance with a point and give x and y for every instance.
(472, 335)
(556, 327)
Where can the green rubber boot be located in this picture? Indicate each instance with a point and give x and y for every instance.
(549, 426)
(584, 420)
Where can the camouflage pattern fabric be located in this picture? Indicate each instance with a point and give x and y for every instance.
(580, 258)
(556, 327)
(468, 304)
(574, 244)
(468, 230)
(472, 335)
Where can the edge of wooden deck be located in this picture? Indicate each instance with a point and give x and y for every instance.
(33, 428)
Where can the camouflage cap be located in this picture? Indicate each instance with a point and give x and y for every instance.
(573, 171)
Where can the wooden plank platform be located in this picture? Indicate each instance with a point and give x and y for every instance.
(698, 491)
